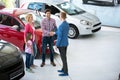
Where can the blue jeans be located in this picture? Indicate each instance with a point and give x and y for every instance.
(49, 41)
(28, 60)
(35, 52)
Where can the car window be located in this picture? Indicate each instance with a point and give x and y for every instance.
(42, 6)
(70, 8)
(5, 20)
(36, 18)
(54, 10)
(36, 6)
(8, 20)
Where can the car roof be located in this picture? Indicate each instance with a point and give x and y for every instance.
(15, 11)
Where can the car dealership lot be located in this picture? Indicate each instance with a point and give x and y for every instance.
(93, 57)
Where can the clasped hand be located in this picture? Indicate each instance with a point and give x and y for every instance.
(52, 33)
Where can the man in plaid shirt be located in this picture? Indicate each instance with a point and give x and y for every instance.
(48, 25)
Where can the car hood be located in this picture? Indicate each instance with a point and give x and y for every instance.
(87, 16)
(16, 11)
(8, 53)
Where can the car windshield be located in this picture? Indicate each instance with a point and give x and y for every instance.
(35, 6)
(7, 48)
(70, 8)
(36, 18)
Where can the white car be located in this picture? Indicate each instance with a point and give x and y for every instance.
(80, 21)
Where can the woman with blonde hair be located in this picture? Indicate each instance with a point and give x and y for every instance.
(29, 28)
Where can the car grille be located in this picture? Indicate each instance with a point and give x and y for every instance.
(15, 70)
(16, 74)
(96, 25)
(12, 67)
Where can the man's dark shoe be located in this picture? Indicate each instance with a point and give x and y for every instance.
(60, 71)
(64, 74)
(42, 64)
(53, 63)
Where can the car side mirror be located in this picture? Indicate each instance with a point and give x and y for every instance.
(38, 12)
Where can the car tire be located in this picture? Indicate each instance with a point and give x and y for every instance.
(85, 1)
(73, 32)
(118, 1)
(119, 77)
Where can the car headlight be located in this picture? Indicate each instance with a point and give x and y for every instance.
(85, 22)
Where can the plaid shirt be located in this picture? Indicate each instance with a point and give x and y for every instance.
(47, 25)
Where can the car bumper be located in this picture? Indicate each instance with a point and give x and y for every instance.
(86, 30)
(13, 72)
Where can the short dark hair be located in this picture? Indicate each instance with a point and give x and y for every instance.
(47, 10)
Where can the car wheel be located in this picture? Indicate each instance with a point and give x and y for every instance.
(119, 77)
(115, 2)
(118, 1)
(73, 32)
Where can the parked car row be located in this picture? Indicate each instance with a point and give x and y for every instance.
(12, 22)
(102, 2)
(81, 22)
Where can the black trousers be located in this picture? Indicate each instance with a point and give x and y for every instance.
(63, 56)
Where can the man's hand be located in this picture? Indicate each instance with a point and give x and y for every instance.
(52, 33)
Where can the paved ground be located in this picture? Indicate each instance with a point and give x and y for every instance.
(94, 57)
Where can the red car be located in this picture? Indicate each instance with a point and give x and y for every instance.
(12, 23)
